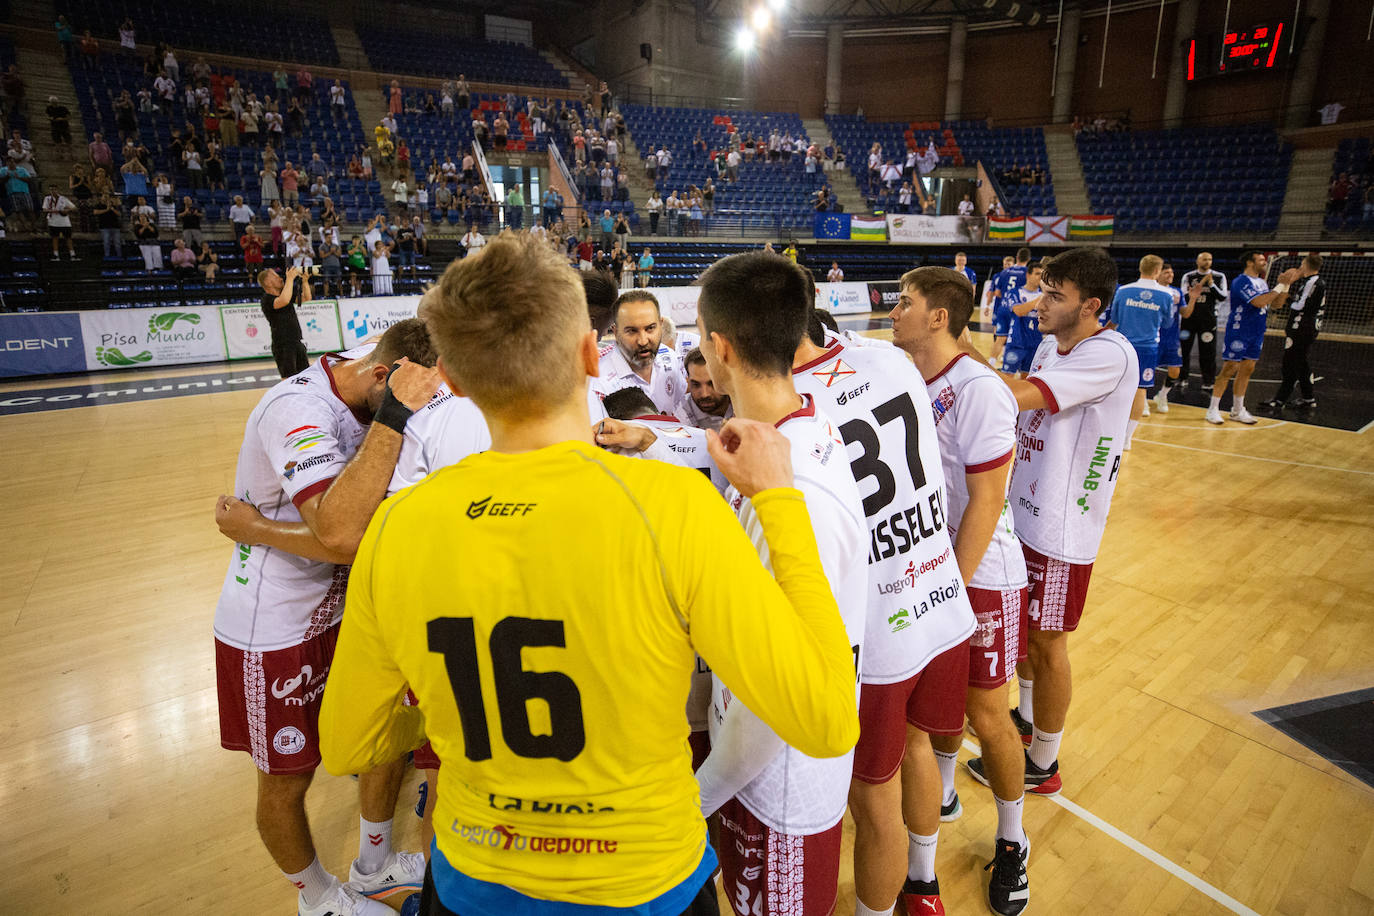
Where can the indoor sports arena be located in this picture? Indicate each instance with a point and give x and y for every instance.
(657, 457)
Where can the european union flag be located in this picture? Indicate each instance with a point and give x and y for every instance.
(832, 225)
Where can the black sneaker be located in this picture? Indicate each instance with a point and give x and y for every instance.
(1273, 405)
(1009, 887)
(1305, 402)
(975, 768)
(1023, 728)
(951, 811)
(922, 898)
(1043, 782)
(1207, 387)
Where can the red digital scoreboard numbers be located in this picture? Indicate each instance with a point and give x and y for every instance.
(1239, 51)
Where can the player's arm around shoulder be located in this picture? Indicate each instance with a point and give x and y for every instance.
(777, 641)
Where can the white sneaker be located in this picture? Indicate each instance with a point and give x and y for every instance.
(1243, 416)
(402, 873)
(1145, 409)
(343, 901)
(1214, 416)
(1161, 402)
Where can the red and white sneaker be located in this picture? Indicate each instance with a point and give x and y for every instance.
(1043, 782)
(922, 898)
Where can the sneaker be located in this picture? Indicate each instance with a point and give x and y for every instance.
(1161, 402)
(54, 258)
(343, 901)
(411, 906)
(922, 898)
(1305, 403)
(1273, 405)
(1145, 409)
(1043, 782)
(1242, 415)
(1023, 728)
(951, 811)
(403, 872)
(975, 768)
(1207, 386)
(1214, 416)
(1009, 887)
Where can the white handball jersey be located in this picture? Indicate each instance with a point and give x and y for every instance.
(917, 604)
(975, 423)
(667, 384)
(677, 443)
(297, 440)
(1068, 454)
(795, 793)
(443, 432)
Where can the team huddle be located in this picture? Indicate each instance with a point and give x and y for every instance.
(751, 575)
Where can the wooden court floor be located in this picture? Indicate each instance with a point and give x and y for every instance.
(1235, 576)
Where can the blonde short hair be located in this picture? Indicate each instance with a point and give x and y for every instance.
(507, 321)
(1150, 265)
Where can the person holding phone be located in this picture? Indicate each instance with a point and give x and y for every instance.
(280, 297)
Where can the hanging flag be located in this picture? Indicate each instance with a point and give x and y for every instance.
(1047, 230)
(868, 229)
(832, 225)
(1006, 227)
(1087, 227)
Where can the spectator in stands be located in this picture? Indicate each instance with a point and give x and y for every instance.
(290, 185)
(59, 123)
(607, 183)
(90, 51)
(1339, 193)
(79, 190)
(191, 216)
(966, 206)
(646, 267)
(127, 36)
(331, 268)
(904, 198)
(271, 118)
(305, 85)
(134, 176)
(673, 206)
(694, 215)
(17, 188)
(835, 275)
(146, 234)
(665, 162)
(607, 225)
(251, 244)
(11, 91)
(400, 192)
(402, 156)
(406, 248)
(166, 204)
(207, 262)
(319, 191)
(195, 172)
(65, 39)
(464, 92)
(251, 134)
(472, 240)
(170, 65)
(99, 151)
(240, 216)
(604, 95)
(58, 210)
(515, 208)
(107, 220)
(295, 117)
(214, 167)
(183, 266)
(268, 187)
(821, 199)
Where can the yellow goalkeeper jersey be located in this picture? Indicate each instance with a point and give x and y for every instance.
(545, 607)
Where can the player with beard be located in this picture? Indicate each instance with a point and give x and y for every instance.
(635, 357)
(1200, 327)
(706, 407)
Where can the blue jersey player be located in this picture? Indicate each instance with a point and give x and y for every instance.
(1251, 299)
(1009, 279)
(961, 265)
(1138, 311)
(1024, 337)
(1171, 336)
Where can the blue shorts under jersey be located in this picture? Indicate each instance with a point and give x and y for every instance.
(1017, 359)
(1001, 319)
(1170, 353)
(1145, 356)
(1243, 343)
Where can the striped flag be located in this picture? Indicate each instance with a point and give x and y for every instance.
(1006, 227)
(868, 229)
(1086, 227)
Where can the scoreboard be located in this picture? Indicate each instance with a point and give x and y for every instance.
(1259, 48)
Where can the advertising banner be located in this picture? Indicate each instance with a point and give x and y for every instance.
(843, 298)
(247, 336)
(939, 230)
(678, 303)
(360, 319)
(883, 295)
(41, 343)
(129, 338)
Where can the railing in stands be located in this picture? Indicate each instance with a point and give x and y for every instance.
(483, 170)
(563, 168)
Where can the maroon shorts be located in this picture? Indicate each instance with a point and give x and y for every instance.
(269, 702)
(1057, 591)
(767, 873)
(999, 641)
(932, 701)
(700, 743)
(424, 757)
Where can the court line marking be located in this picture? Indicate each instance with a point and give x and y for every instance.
(1296, 464)
(1131, 843)
(1235, 425)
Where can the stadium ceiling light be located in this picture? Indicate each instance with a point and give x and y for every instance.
(762, 18)
(777, 5)
(744, 39)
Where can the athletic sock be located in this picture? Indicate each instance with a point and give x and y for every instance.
(1216, 403)
(1027, 706)
(1044, 749)
(1164, 391)
(1130, 430)
(920, 856)
(1009, 820)
(374, 844)
(1238, 403)
(313, 883)
(861, 910)
(946, 763)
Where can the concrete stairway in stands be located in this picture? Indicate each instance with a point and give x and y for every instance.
(1304, 203)
(45, 74)
(841, 181)
(351, 53)
(1070, 190)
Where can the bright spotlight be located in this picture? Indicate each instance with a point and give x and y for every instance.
(761, 19)
(744, 39)
(777, 5)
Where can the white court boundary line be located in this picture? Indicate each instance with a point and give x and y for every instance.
(1296, 464)
(1178, 871)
